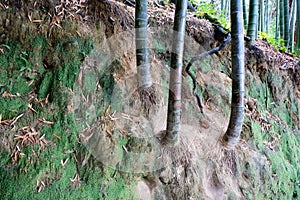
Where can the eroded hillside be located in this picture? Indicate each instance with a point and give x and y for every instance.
(71, 120)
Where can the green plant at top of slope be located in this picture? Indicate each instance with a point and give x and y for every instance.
(25, 67)
(208, 10)
(277, 43)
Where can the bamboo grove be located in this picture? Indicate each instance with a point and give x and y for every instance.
(276, 20)
(172, 131)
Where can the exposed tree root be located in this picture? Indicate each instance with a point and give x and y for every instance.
(149, 97)
(201, 56)
(229, 142)
(223, 165)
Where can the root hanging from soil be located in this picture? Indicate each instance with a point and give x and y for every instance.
(224, 159)
(223, 163)
(149, 97)
(229, 142)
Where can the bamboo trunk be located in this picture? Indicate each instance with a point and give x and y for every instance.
(292, 25)
(234, 129)
(141, 40)
(146, 90)
(253, 17)
(245, 14)
(277, 33)
(174, 102)
(261, 16)
(267, 17)
(281, 21)
(286, 23)
(298, 26)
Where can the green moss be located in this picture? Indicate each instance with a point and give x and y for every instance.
(40, 48)
(281, 180)
(14, 73)
(158, 46)
(4, 78)
(58, 178)
(115, 186)
(11, 107)
(283, 176)
(21, 86)
(89, 84)
(224, 68)
(107, 84)
(257, 134)
(206, 65)
(47, 167)
(45, 86)
(55, 65)
(70, 54)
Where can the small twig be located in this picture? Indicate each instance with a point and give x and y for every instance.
(198, 57)
(129, 3)
(46, 122)
(16, 119)
(125, 149)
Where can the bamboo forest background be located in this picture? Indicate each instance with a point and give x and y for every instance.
(276, 21)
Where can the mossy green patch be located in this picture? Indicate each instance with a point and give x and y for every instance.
(158, 46)
(281, 176)
(278, 142)
(115, 187)
(45, 85)
(4, 78)
(11, 107)
(16, 73)
(55, 65)
(89, 82)
(22, 86)
(70, 54)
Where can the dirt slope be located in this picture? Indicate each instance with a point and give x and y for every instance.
(78, 127)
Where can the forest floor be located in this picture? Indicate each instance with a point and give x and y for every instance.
(72, 125)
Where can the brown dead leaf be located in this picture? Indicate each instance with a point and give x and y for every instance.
(10, 95)
(31, 108)
(46, 122)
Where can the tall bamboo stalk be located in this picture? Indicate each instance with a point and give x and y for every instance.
(292, 25)
(227, 7)
(261, 16)
(298, 26)
(174, 102)
(286, 23)
(277, 33)
(245, 14)
(222, 4)
(253, 17)
(267, 16)
(146, 89)
(281, 21)
(234, 129)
